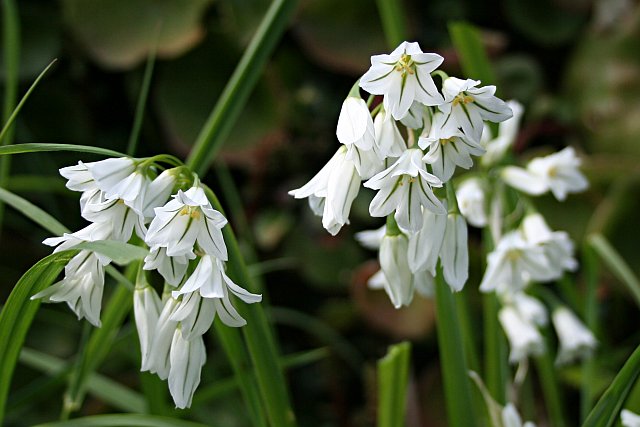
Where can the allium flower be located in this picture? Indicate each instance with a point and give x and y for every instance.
(355, 125)
(146, 310)
(111, 172)
(81, 287)
(123, 219)
(512, 264)
(405, 187)
(403, 76)
(576, 340)
(556, 172)
(187, 357)
(425, 245)
(529, 308)
(171, 268)
(156, 361)
(448, 147)
(158, 192)
(524, 337)
(184, 220)
(332, 191)
(417, 117)
(471, 201)
(389, 141)
(507, 133)
(454, 254)
(511, 417)
(395, 267)
(629, 419)
(371, 239)
(470, 106)
(79, 178)
(556, 245)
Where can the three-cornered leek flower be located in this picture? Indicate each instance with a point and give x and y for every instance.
(471, 201)
(470, 105)
(395, 267)
(403, 76)
(576, 340)
(405, 187)
(524, 338)
(629, 419)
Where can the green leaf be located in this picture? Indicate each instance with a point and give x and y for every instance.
(240, 85)
(33, 212)
(394, 21)
(607, 410)
(616, 264)
(104, 388)
(121, 253)
(120, 420)
(18, 313)
(473, 57)
(40, 147)
(393, 378)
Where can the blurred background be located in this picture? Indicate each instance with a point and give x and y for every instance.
(574, 64)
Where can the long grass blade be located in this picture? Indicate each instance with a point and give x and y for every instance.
(394, 21)
(240, 85)
(473, 56)
(393, 380)
(120, 420)
(591, 273)
(32, 212)
(37, 147)
(18, 313)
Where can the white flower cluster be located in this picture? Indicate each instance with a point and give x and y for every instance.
(120, 195)
(444, 129)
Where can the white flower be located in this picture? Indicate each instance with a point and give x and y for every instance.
(507, 133)
(418, 116)
(470, 106)
(448, 147)
(123, 219)
(187, 357)
(111, 172)
(91, 233)
(131, 190)
(576, 341)
(172, 268)
(512, 264)
(210, 280)
(186, 219)
(557, 173)
(158, 192)
(366, 162)
(422, 281)
(629, 419)
(371, 239)
(524, 337)
(556, 245)
(395, 267)
(332, 191)
(81, 287)
(425, 245)
(79, 177)
(355, 125)
(157, 360)
(511, 417)
(454, 254)
(529, 308)
(146, 310)
(405, 187)
(388, 138)
(471, 201)
(195, 315)
(403, 76)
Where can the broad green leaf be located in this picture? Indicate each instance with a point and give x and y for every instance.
(473, 57)
(40, 147)
(137, 23)
(121, 253)
(607, 411)
(393, 380)
(18, 313)
(120, 420)
(104, 388)
(33, 212)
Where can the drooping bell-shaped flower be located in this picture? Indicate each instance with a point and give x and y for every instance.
(426, 243)
(395, 267)
(157, 359)
(405, 187)
(109, 173)
(629, 419)
(507, 132)
(471, 201)
(158, 192)
(576, 340)
(403, 76)
(448, 147)
(389, 141)
(79, 178)
(524, 338)
(332, 191)
(146, 310)
(187, 357)
(171, 268)
(454, 254)
(185, 220)
(470, 106)
(511, 417)
(355, 125)
(556, 245)
(558, 173)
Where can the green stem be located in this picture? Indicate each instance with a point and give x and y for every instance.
(495, 350)
(393, 379)
(240, 86)
(394, 21)
(590, 266)
(142, 102)
(550, 389)
(454, 369)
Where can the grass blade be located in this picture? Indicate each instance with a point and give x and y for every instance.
(393, 379)
(240, 85)
(591, 273)
(473, 57)
(119, 420)
(142, 100)
(607, 410)
(616, 264)
(119, 252)
(107, 390)
(18, 313)
(454, 369)
(551, 389)
(32, 212)
(393, 21)
(36, 147)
